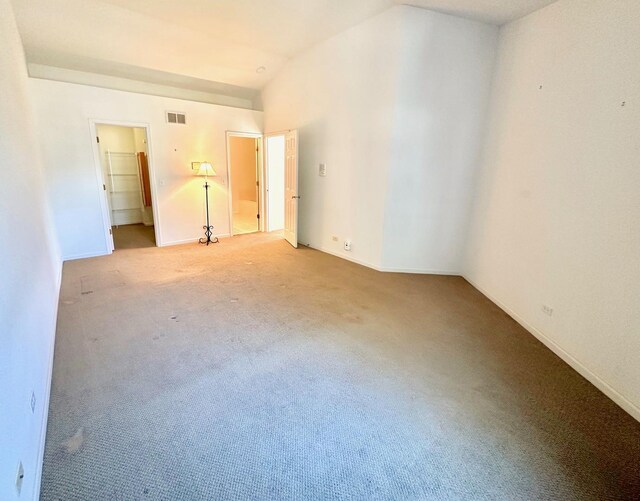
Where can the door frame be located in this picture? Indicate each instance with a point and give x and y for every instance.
(265, 143)
(104, 203)
(260, 159)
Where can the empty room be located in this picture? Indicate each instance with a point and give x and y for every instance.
(319, 249)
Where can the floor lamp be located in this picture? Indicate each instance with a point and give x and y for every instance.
(206, 170)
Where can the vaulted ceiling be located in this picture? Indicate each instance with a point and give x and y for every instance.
(222, 42)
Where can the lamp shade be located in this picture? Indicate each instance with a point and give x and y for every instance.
(206, 169)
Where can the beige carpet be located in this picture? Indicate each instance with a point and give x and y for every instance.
(250, 370)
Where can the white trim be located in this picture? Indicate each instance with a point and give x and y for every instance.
(255, 135)
(347, 258)
(278, 132)
(86, 255)
(414, 271)
(192, 240)
(262, 203)
(385, 269)
(47, 393)
(93, 123)
(164, 244)
(573, 362)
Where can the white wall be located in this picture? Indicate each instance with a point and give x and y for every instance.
(30, 270)
(340, 95)
(275, 182)
(394, 107)
(63, 113)
(557, 216)
(443, 93)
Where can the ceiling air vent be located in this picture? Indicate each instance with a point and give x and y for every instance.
(175, 117)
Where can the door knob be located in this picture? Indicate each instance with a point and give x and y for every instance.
(295, 196)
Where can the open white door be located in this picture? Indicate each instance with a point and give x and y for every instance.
(291, 196)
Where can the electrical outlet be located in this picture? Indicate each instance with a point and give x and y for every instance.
(33, 401)
(322, 170)
(347, 245)
(547, 310)
(19, 477)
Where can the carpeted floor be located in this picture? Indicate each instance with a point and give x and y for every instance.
(133, 236)
(250, 370)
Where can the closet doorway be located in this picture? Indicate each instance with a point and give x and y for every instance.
(244, 161)
(126, 184)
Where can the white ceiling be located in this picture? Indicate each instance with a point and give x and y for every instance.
(221, 41)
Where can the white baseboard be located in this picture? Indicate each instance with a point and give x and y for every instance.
(385, 269)
(190, 240)
(419, 272)
(340, 255)
(576, 364)
(85, 256)
(47, 393)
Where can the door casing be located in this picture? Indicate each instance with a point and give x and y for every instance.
(261, 184)
(104, 204)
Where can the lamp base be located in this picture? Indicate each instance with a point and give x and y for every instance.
(207, 236)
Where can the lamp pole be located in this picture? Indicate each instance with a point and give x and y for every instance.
(208, 228)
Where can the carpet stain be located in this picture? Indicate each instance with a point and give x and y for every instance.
(352, 317)
(101, 281)
(74, 444)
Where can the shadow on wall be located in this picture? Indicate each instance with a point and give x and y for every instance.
(485, 177)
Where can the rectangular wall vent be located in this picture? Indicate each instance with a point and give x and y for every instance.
(175, 117)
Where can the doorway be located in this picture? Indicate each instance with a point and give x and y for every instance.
(124, 164)
(244, 170)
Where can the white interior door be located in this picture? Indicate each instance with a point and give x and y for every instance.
(291, 196)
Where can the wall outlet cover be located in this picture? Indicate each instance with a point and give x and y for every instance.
(347, 245)
(322, 170)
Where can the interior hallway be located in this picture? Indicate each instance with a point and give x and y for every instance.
(252, 370)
